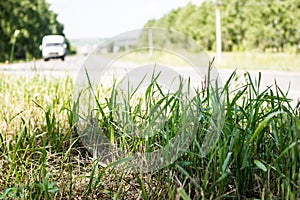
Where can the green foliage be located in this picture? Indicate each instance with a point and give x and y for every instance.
(246, 25)
(31, 19)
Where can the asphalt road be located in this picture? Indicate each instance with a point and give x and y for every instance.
(72, 64)
(54, 67)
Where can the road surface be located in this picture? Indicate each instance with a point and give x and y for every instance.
(72, 65)
(55, 68)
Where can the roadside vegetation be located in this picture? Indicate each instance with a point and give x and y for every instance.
(260, 61)
(237, 60)
(257, 154)
(246, 25)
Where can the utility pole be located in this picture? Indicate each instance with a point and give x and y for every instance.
(218, 33)
(150, 42)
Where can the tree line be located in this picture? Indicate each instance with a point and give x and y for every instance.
(23, 23)
(246, 24)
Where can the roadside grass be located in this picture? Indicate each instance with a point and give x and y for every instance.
(260, 61)
(257, 154)
(230, 60)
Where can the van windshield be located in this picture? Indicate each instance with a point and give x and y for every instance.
(53, 44)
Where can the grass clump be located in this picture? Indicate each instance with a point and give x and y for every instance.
(41, 154)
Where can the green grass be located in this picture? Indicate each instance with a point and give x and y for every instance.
(41, 155)
(230, 60)
(260, 61)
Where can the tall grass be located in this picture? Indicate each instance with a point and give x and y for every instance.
(256, 155)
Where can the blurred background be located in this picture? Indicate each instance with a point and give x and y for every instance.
(240, 34)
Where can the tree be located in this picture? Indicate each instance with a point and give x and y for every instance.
(246, 24)
(32, 19)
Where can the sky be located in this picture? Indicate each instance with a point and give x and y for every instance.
(107, 18)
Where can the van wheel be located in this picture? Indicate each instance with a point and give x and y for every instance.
(46, 59)
(63, 58)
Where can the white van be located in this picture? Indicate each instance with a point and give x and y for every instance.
(53, 46)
